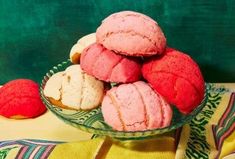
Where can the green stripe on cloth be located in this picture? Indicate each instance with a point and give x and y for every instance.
(29, 151)
(226, 121)
(40, 152)
(229, 111)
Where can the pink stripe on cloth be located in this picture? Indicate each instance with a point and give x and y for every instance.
(228, 109)
(47, 151)
(34, 152)
(225, 135)
(22, 152)
(220, 144)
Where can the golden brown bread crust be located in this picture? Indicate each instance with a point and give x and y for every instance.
(76, 58)
(60, 104)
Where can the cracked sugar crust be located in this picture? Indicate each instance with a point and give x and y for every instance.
(131, 107)
(175, 62)
(89, 57)
(75, 89)
(166, 110)
(132, 22)
(108, 66)
(92, 92)
(53, 86)
(153, 109)
(129, 13)
(131, 33)
(158, 111)
(172, 66)
(135, 107)
(104, 64)
(130, 71)
(72, 89)
(82, 91)
(177, 77)
(116, 106)
(177, 91)
(146, 114)
(21, 98)
(123, 113)
(139, 44)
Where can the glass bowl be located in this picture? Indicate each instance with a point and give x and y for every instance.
(93, 122)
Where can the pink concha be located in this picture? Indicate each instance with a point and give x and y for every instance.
(135, 107)
(108, 66)
(131, 33)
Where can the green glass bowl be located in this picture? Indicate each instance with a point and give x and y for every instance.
(93, 122)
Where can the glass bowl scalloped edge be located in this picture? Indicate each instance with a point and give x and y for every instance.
(92, 121)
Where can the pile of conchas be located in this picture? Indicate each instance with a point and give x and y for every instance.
(130, 50)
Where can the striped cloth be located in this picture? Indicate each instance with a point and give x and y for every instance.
(225, 126)
(205, 136)
(27, 149)
(209, 135)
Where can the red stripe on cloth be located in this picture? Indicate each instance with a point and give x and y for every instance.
(223, 137)
(229, 107)
(226, 134)
(22, 152)
(34, 152)
(46, 153)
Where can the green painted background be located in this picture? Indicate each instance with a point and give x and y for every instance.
(35, 35)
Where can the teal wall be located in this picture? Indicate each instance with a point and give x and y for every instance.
(37, 34)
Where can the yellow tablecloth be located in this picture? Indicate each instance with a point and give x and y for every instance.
(48, 128)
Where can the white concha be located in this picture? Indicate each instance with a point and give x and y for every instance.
(53, 86)
(81, 44)
(72, 84)
(78, 90)
(93, 91)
